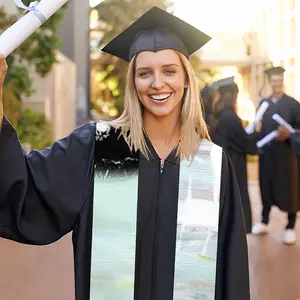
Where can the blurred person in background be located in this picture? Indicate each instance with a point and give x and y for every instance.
(230, 134)
(278, 164)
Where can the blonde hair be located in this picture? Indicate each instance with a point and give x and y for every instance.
(193, 126)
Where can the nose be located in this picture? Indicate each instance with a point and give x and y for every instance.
(157, 82)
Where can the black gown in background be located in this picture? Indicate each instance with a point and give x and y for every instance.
(230, 135)
(44, 195)
(278, 164)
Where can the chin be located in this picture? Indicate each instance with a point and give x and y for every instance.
(164, 110)
(160, 114)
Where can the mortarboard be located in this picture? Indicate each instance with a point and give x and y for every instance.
(156, 30)
(274, 71)
(224, 82)
(206, 91)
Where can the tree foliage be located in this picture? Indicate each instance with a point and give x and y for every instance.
(37, 52)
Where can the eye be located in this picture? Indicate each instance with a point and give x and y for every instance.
(144, 74)
(169, 71)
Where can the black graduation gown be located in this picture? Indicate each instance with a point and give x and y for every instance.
(295, 143)
(278, 165)
(230, 135)
(44, 195)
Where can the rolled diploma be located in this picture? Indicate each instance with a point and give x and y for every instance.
(261, 111)
(258, 117)
(15, 35)
(268, 138)
(282, 122)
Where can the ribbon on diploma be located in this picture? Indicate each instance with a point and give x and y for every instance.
(32, 7)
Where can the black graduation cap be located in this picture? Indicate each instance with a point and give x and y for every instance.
(274, 71)
(224, 82)
(156, 30)
(207, 90)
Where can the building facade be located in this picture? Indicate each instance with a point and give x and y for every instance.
(275, 41)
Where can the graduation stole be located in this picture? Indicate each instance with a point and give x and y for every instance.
(114, 230)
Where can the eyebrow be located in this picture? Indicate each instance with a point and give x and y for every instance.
(164, 66)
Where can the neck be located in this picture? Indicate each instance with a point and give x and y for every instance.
(163, 132)
(277, 96)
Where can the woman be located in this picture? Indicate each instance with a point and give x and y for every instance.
(135, 231)
(209, 97)
(230, 134)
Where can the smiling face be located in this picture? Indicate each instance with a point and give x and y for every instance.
(276, 82)
(160, 82)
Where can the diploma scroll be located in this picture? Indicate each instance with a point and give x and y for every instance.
(268, 138)
(282, 122)
(38, 13)
(258, 117)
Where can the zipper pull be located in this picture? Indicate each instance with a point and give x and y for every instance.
(161, 167)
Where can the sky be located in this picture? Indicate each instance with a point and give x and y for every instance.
(217, 15)
(214, 15)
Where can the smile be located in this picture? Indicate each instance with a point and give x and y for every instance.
(160, 97)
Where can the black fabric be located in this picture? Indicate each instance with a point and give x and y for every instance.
(156, 30)
(266, 214)
(42, 193)
(230, 134)
(292, 217)
(228, 81)
(46, 194)
(278, 165)
(295, 143)
(232, 281)
(291, 220)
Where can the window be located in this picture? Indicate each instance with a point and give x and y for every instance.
(292, 32)
(291, 84)
(292, 61)
(281, 30)
(292, 5)
(281, 9)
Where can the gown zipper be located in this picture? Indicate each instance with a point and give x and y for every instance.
(156, 236)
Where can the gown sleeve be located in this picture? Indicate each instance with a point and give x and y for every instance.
(232, 282)
(42, 193)
(295, 143)
(233, 136)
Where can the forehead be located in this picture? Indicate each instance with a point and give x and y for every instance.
(276, 77)
(158, 58)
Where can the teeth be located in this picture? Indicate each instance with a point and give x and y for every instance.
(160, 97)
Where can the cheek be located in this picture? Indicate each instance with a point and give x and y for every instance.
(142, 87)
(177, 84)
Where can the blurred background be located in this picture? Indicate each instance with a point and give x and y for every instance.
(60, 73)
(58, 79)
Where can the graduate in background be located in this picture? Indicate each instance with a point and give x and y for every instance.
(135, 233)
(278, 165)
(209, 98)
(230, 134)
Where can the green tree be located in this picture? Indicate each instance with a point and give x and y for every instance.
(38, 51)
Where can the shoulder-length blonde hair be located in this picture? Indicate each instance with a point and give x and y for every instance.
(193, 126)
